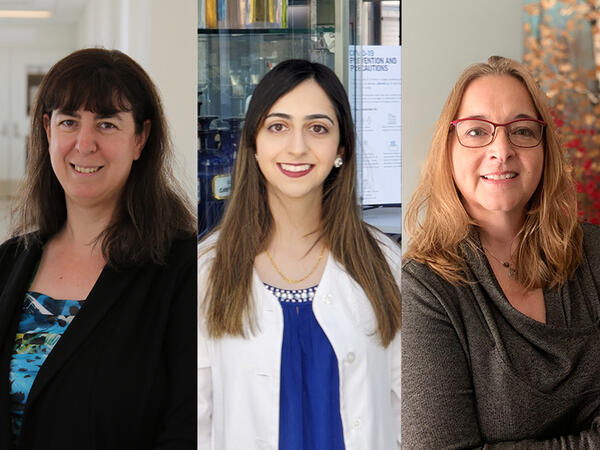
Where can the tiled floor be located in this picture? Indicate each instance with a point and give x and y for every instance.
(4, 217)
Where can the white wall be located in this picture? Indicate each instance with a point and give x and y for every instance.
(161, 35)
(101, 24)
(439, 39)
(25, 47)
(173, 65)
(36, 36)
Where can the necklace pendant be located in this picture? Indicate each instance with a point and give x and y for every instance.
(506, 264)
(512, 273)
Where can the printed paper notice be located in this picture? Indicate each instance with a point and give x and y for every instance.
(375, 70)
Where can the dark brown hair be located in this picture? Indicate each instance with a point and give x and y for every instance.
(228, 304)
(153, 209)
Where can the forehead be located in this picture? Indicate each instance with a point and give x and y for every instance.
(496, 97)
(305, 99)
(81, 111)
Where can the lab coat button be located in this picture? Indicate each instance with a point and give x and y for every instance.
(350, 357)
(327, 299)
(356, 424)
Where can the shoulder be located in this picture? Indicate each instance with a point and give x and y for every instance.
(17, 245)
(417, 270)
(390, 249)
(591, 244)
(206, 255)
(183, 248)
(591, 237)
(16, 255)
(421, 284)
(179, 265)
(206, 249)
(10, 247)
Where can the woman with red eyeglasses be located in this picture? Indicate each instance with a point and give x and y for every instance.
(500, 284)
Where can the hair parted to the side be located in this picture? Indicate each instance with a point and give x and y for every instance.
(246, 228)
(550, 239)
(154, 209)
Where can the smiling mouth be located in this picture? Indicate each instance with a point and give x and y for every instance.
(80, 169)
(295, 167)
(500, 176)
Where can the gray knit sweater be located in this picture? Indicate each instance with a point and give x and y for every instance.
(476, 373)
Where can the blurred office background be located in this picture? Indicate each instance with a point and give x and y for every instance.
(34, 34)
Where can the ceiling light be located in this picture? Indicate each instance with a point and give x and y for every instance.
(22, 14)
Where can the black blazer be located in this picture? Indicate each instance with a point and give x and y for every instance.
(123, 375)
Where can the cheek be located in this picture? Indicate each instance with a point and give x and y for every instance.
(464, 172)
(457, 167)
(263, 146)
(60, 145)
(536, 165)
(54, 151)
(261, 166)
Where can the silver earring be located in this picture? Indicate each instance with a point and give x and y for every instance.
(337, 162)
(256, 156)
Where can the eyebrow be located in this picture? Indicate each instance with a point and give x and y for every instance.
(309, 117)
(518, 116)
(66, 112)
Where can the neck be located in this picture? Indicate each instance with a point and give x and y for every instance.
(84, 225)
(499, 232)
(297, 221)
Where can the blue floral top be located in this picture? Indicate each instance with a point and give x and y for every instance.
(43, 322)
(309, 405)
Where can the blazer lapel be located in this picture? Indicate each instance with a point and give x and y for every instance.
(107, 290)
(12, 295)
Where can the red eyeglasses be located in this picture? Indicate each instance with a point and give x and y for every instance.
(475, 133)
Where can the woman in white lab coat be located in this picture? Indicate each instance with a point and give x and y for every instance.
(299, 298)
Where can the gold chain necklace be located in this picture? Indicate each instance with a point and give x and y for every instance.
(512, 272)
(291, 281)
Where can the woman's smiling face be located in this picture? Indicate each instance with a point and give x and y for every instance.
(298, 143)
(499, 177)
(92, 154)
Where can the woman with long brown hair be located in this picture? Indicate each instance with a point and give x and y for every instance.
(98, 286)
(501, 284)
(299, 298)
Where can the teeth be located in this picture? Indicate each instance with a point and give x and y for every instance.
(86, 169)
(504, 176)
(295, 168)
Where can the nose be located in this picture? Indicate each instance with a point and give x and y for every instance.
(86, 139)
(298, 145)
(501, 148)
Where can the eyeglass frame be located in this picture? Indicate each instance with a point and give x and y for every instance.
(496, 125)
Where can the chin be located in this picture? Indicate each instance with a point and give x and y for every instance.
(501, 207)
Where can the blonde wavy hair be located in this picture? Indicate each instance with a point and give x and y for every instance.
(550, 240)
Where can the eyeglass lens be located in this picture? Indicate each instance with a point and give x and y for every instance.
(478, 133)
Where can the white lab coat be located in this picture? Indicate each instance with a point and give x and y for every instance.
(239, 379)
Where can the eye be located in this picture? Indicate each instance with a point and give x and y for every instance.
(319, 129)
(476, 132)
(67, 123)
(107, 125)
(523, 131)
(276, 127)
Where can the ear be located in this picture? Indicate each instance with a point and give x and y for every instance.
(46, 119)
(140, 139)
